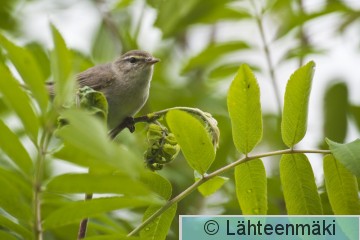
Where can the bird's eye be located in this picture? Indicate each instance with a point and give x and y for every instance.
(132, 60)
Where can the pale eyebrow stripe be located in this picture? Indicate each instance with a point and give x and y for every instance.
(135, 56)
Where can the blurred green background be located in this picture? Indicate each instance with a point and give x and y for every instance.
(201, 44)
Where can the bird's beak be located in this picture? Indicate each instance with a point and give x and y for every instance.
(152, 60)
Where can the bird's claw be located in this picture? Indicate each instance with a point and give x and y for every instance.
(130, 124)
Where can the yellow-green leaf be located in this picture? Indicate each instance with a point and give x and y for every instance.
(97, 183)
(157, 183)
(245, 110)
(212, 185)
(13, 200)
(159, 227)
(294, 118)
(17, 99)
(298, 183)
(335, 112)
(348, 154)
(251, 187)
(75, 211)
(28, 69)
(193, 138)
(8, 224)
(11, 145)
(112, 237)
(342, 187)
(61, 59)
(87, 144)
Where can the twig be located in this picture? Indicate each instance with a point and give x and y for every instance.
(84, 222)
(129, 122)
(44, 141)
(304, 41)
(205, 178)
(259, 22)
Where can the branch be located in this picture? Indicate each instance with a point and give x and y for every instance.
(129, 122)
(270, 65)
(39, 168)
(205, 178)
(84, 222)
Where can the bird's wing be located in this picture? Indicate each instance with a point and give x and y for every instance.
(96, 77)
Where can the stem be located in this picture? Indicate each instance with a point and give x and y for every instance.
(270, 65)
(39, 168)
(205, 178)
(84, 222)
(304, 41)
(129, 122)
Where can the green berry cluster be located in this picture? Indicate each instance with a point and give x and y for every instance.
(163, 147)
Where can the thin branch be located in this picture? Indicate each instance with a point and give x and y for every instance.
(304, 41)
(84, 222)
(130, 122)
(205, 178)
(270, 65)
(39, 168)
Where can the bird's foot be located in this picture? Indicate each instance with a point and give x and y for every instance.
(129, 123)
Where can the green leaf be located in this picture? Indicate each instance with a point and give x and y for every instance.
(251, 187)
(335, 115)
(20, 182)
(294, 118)
(298, 182)
(7, 235)
(41, 56)
(28, 69)
(112, 237)
(93, 101)
(86, 137)
(355, 112)
(174, 17)
(193, 138)
(75, 211)
(61, 59)
(245, 110)
(78, 156)
(96, 183)
(211, 54)
(13, 201)
(227, 70)
(157, 184)
(11, 145)
(8, 21)
(120, 4)
(210, 186)
(17, 99)
(104, 47)
(342, 187)
(8, 224)
(159, 227)
(86, 133)
(348, 154)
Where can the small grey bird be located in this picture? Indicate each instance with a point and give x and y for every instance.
(125, 83)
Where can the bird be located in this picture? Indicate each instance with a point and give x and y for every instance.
(125, 82)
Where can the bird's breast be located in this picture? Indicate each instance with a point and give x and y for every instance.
(125, 100)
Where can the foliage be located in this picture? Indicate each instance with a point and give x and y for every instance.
(131, 200)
